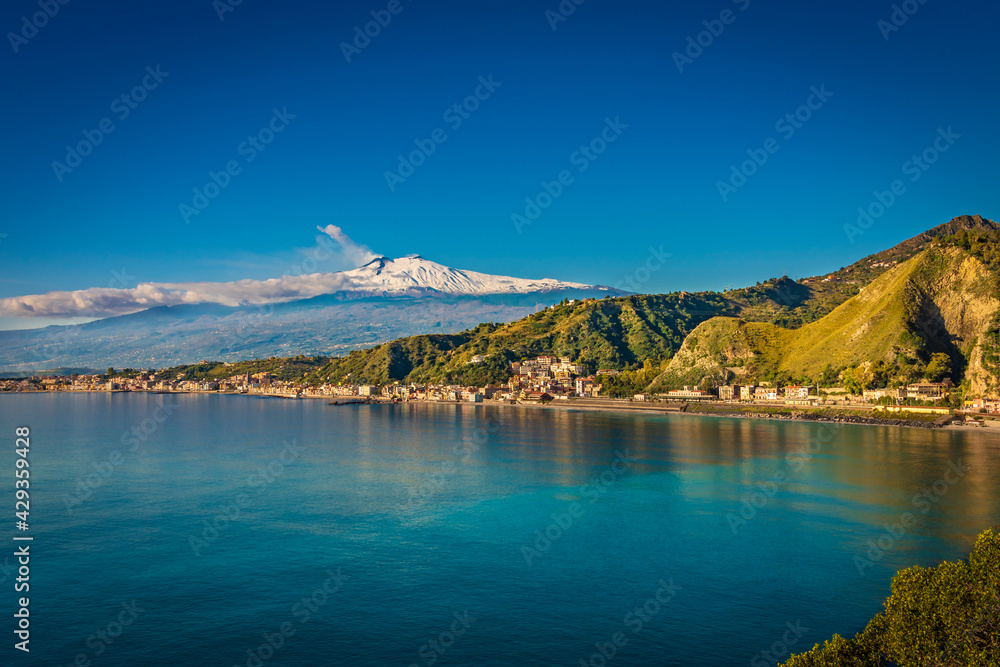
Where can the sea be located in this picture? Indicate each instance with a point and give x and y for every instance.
(225, 530)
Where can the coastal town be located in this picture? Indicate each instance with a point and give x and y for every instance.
(533, 381)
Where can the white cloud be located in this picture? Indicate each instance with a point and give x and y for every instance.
(98, 302)
(106, 302)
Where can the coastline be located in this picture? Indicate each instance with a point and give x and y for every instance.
(602, 405)
(665, 410)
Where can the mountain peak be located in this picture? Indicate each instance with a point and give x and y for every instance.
(958, 224)
(414, 274)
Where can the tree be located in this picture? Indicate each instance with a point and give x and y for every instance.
(939, 367)
(945, 616)
(851, 382)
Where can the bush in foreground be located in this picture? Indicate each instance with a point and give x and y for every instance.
(944, 616)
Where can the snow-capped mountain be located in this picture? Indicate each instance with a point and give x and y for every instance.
(158, 324)
(414, 276)
(406, 274)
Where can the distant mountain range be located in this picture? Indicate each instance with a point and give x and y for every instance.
(380, 301)
(927, 308)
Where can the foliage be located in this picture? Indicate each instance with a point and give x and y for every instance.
(290, 368)
(939, 367)
(628, 383)
(495, 369)
(617, 334)
(944, 616)
(990, 346)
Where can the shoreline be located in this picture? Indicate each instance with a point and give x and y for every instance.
(664, 410)
(789, 414)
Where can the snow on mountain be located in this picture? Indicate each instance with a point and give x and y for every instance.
(408, 274)
(382, 276)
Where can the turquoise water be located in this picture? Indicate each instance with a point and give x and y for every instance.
(465, 535)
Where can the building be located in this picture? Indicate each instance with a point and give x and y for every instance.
(765, 394)
(808, 400)
(729, 392)
(367, 390)
(642, 397)
(875, 395)
(747, 392)
(797, 391)
(689, 393)
(983, 404)
(926, 391)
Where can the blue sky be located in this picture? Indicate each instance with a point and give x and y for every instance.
(118, 212)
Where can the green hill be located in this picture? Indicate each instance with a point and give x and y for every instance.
(941, 301)
(855, 315)
(608, 333)
(926, 307)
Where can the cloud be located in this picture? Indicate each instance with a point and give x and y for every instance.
(107, 302)
(359, 255)
(99, 302)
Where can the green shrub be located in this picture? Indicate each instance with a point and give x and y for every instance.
(944, 616)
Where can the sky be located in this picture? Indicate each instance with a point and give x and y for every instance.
(587, 138)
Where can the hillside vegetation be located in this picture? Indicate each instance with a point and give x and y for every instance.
(927, 308)
(610, 333)
(935, 310)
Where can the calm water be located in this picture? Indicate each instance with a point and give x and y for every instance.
(430, 515)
